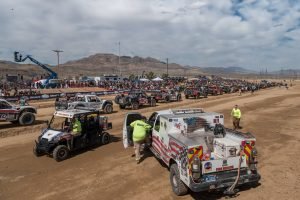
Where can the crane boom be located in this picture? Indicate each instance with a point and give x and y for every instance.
(52, 74)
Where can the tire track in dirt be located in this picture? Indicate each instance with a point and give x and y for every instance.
(109, 172)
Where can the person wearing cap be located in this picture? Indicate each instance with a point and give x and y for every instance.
(76, 129)
(236, 117)
(140, 128)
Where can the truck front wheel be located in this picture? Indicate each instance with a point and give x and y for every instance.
(179, 188)
(61, 152)
(26, 118)
(108, 109)
(105, 139)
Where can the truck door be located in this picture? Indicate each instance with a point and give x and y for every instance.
(5, 109)
(95, 102)
(127, 130)
(160, 138)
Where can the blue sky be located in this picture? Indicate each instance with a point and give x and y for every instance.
(254, 34)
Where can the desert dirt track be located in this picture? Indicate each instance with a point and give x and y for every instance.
(109, 172)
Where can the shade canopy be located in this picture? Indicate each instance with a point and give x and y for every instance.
(144, 79)
(157, 79)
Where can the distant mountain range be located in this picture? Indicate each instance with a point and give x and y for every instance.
(101, 63)
(227, 70)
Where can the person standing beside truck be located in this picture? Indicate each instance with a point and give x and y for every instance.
(236, 117)
(140, 128)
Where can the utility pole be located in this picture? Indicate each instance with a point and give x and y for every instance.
(167, 67)
(119, 58)
(57, 52)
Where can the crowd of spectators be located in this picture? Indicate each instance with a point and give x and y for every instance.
(232, 85)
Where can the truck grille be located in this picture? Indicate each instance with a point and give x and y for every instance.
(43, 141)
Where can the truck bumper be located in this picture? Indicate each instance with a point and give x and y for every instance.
(44, 147)
(222, 184)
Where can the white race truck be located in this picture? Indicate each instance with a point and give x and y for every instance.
(85, 101)
(200, 153)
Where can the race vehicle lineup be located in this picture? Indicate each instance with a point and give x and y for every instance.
(200, 153)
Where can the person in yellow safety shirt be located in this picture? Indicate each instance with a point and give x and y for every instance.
(236, 117)
(76, 129)
(140, 128)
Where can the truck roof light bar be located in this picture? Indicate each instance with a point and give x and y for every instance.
(187, 111)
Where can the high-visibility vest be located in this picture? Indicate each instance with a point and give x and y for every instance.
(139, 130)
(236, 113)
(76, 127)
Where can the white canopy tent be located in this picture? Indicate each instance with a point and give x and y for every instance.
(157, 79)
(144, 79)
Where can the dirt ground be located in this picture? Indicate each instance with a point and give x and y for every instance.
(109, 172)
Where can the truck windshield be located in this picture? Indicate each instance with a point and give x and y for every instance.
(59, 123)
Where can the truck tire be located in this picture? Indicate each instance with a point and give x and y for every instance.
(60, 153)
(108, 109)
(179, 188)
(135, 105)
(179, 98)
(105, 138)
(167, 99)
(122, 106)
(26, 118)
(117, 98)
(36, 152)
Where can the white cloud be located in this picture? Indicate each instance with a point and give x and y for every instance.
(248, 33)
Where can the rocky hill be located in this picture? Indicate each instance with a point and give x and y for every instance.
(109, 63)
(99, 64)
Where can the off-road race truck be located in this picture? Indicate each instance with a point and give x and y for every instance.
(195, 92)
(135, 99)
(57, 140)
(166, 95)
(199, 152)
(214, 90)
(23, 115)
(91, 102)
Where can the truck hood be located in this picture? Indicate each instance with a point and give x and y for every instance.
(50, 134)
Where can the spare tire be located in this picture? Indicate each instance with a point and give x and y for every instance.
(26, 118)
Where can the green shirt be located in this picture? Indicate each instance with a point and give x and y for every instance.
(77, 127)
(236, 113)
(139, 130)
